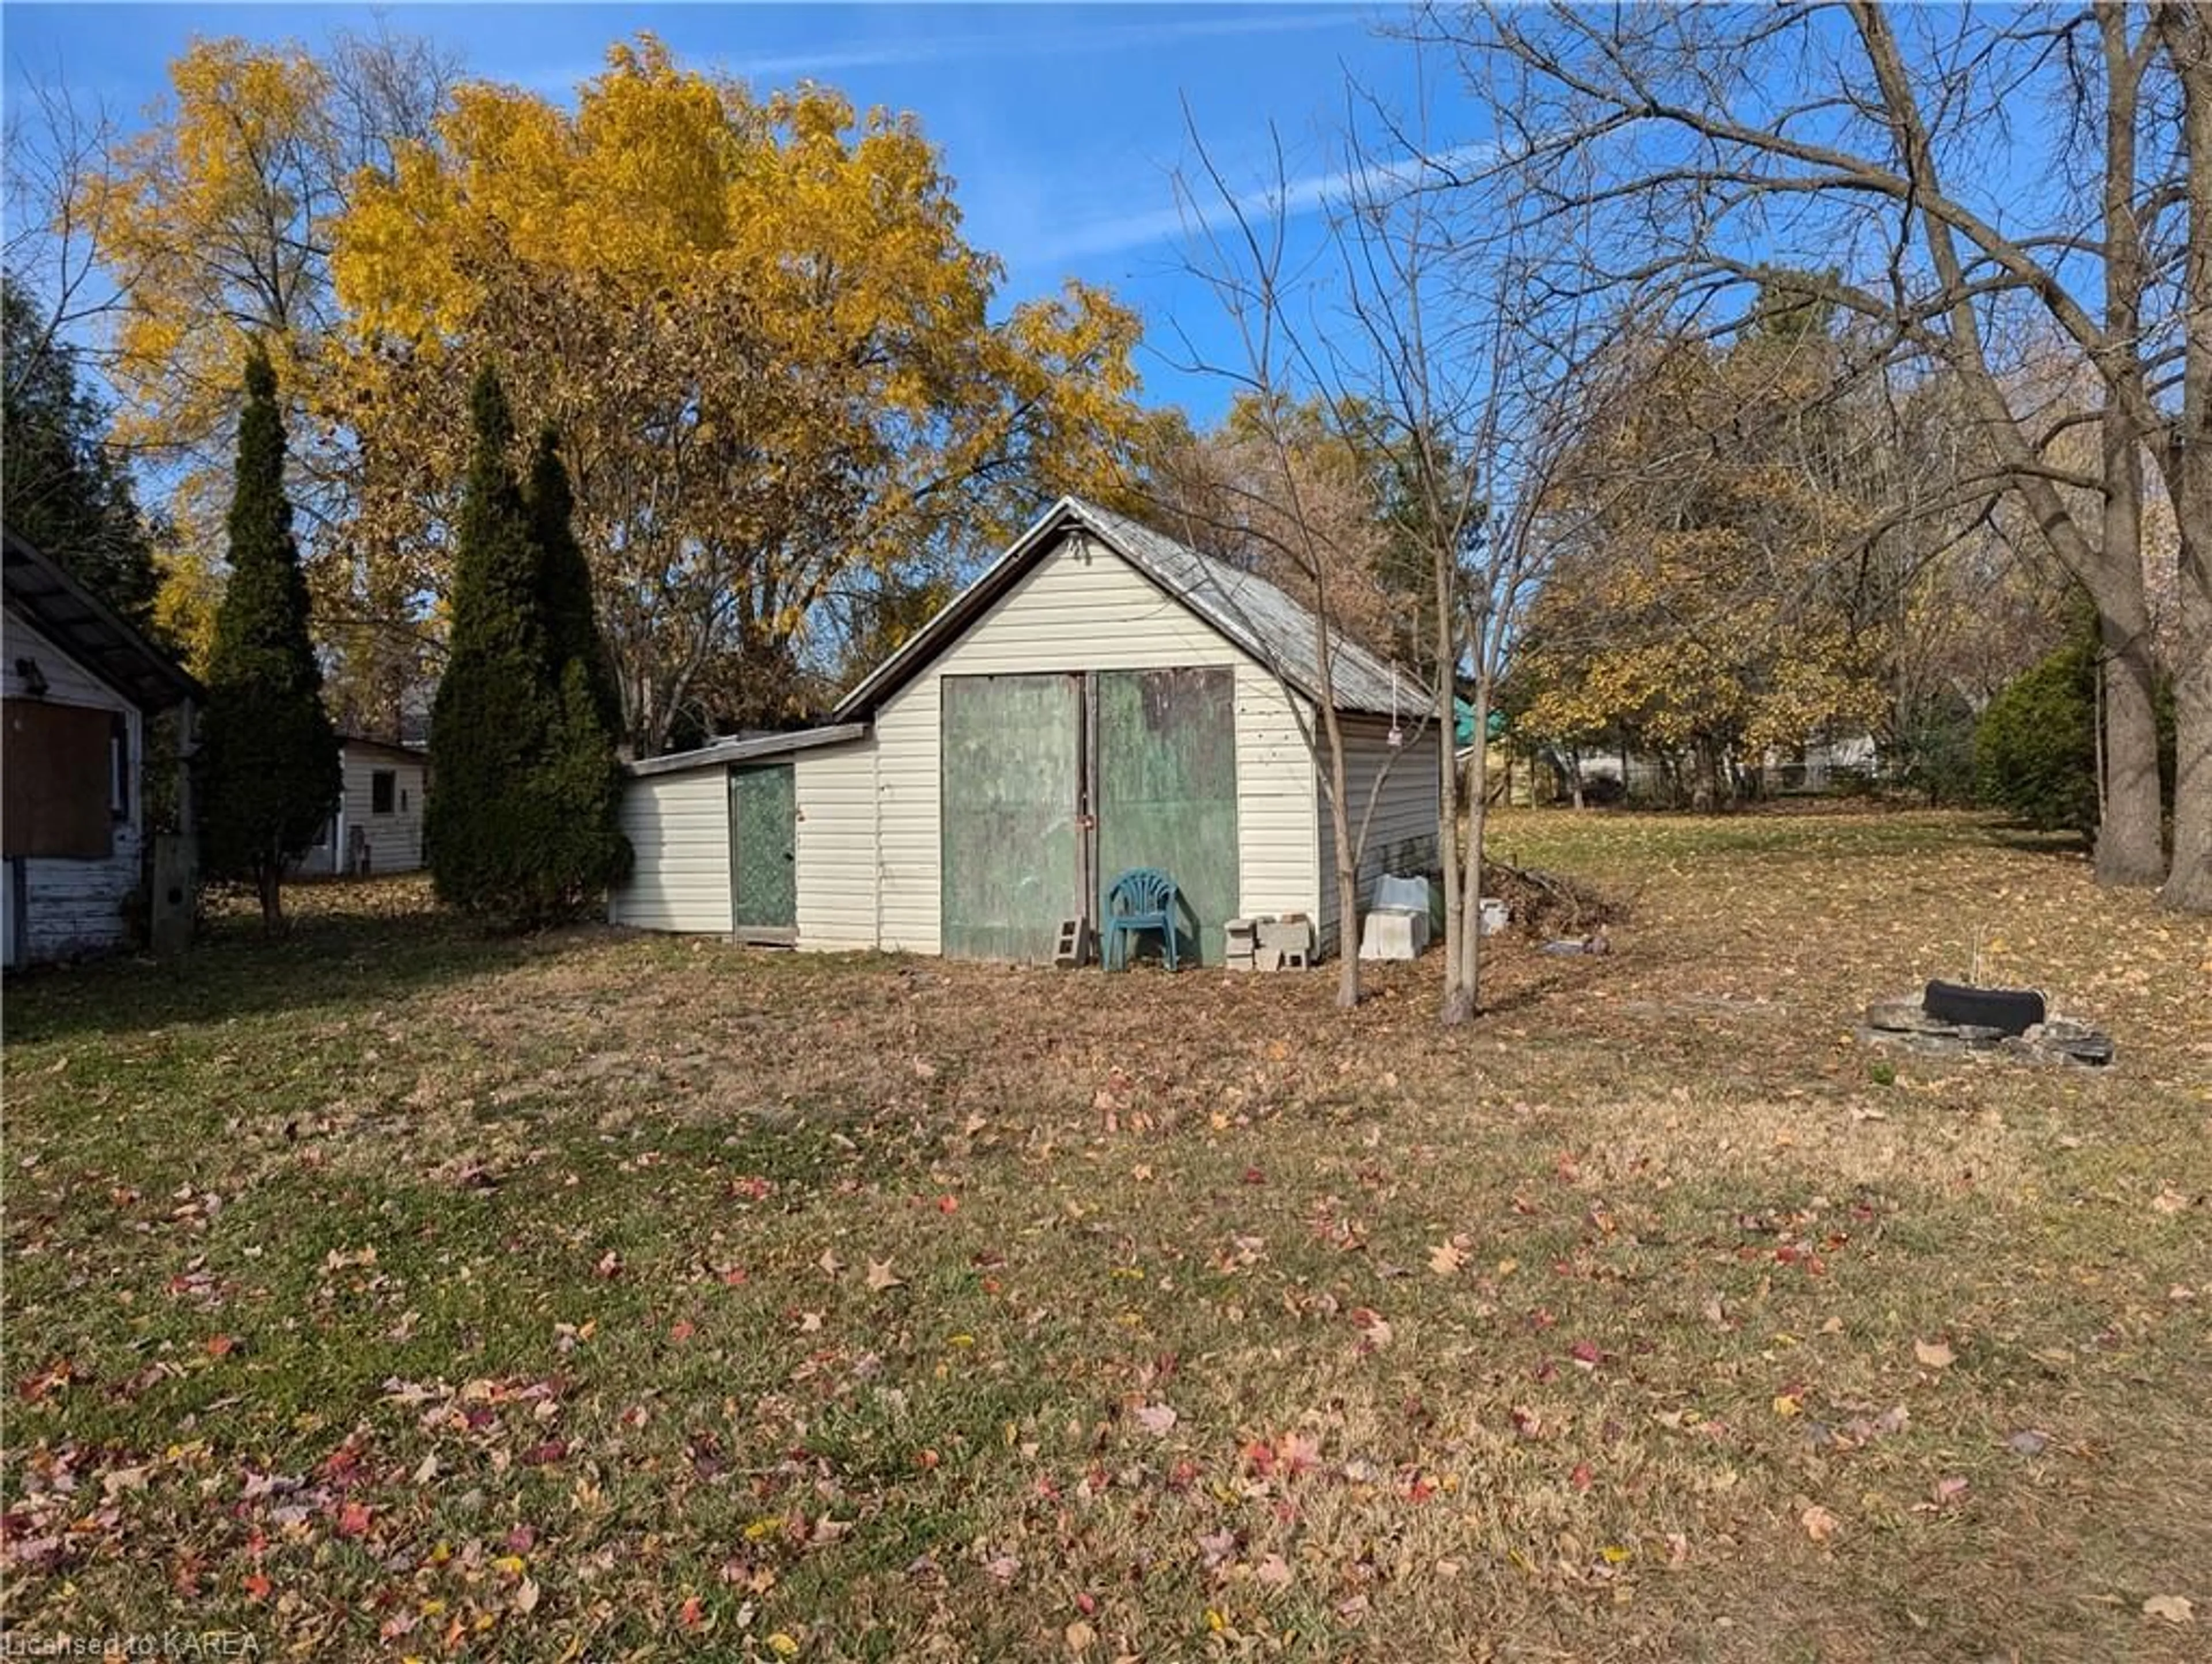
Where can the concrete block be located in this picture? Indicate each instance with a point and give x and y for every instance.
(1394, 933)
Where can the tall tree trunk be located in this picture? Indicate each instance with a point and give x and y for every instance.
(2189, 881)
(2130, 834)
(1469, 876)
(2131, 842)
(1347, 876)
(1704, 794)
(270, 882)
(2187, 33)
(1459, 989)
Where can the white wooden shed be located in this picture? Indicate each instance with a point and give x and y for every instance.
(1102, 698)
(378, 827)
(81, 693)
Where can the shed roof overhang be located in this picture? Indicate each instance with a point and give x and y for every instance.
(748, 748)
(89, 631)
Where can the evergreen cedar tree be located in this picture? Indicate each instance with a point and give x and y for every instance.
(268, 760)
(522, 825)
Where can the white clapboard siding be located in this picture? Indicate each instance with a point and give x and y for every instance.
(1083, 607)
(395, 840)
(1402, 833)
(679, 825)
(73, 908)
(835, 850)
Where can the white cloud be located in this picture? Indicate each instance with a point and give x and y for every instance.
(1010, 42)
(1072, 44)
(1185, 217)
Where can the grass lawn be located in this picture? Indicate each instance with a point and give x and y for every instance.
(391, 1292)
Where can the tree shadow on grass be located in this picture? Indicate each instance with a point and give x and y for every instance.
(358, 944)
(2022, 839)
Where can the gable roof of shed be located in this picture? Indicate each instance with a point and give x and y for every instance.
(1245, 609)
(89, 631)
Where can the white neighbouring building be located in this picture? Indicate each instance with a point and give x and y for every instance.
(379, 825)
(81, 693)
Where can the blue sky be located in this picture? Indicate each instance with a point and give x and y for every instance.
(1062, 124)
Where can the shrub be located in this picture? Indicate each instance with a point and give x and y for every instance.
(2035, 749)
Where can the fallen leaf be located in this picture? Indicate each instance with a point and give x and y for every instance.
(2171, 1608)
(1003, 1566)
(1934, 1354)
(882, 1277)
(1819, 1524)
(829, 1263)
(1274, 1571)
(1156, 1419)
(1374, 1327)
(1446, 1258)
(1080, 1636)
(2028, 1441)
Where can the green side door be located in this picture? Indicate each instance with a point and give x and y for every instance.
(1011, 775)
(763, 867)
(1167, 791)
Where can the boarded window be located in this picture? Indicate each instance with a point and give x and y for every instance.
(382, 785)
(60, 780)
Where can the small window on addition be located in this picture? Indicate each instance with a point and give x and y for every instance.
(382, 783)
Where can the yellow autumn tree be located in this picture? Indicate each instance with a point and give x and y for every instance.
(212, 225)
(1710, 607)
(781, 376)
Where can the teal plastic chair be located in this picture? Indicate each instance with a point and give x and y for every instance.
(1143, 898)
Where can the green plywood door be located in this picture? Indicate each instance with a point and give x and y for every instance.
(1011, 772)
(1167, 790)
(763, 873)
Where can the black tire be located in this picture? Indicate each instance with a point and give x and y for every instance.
(2009, 1010)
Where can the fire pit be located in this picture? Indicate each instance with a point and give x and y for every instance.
(1954, 1018)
